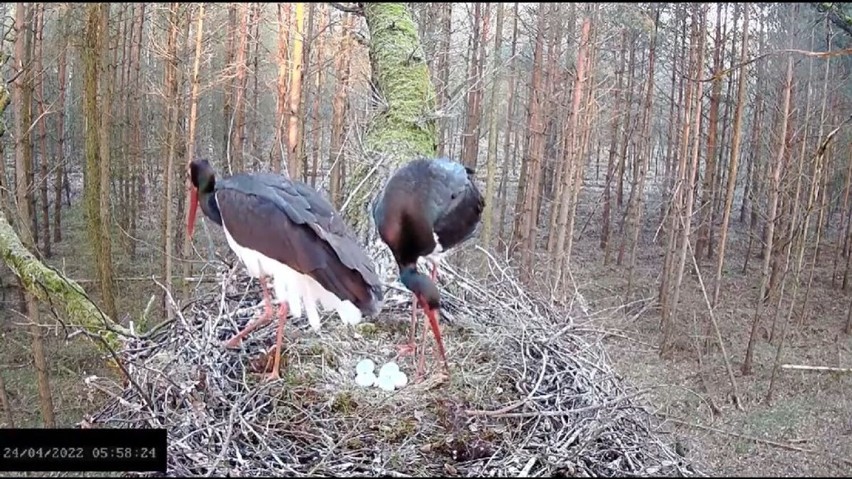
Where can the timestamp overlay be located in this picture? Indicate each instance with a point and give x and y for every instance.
(100, 450)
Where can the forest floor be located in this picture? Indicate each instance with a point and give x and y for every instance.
(807, 429)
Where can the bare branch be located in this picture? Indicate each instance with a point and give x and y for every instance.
(355, 8)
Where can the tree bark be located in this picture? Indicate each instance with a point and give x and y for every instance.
(405, 127)
(317, 123)
(23, 190)
(493, 132)
(294, 146)
(733, 162)
(524, 235)
(190, 139)
(171, 82)
(636, 204)
(107, 74)
(338, 116)
(606, 214)
(773, 209)
(713, 123)
(443, 88)
(38, 52)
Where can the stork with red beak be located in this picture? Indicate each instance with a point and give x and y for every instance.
(426, 208)
(286, 230)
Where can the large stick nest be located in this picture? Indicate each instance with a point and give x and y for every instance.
(528, 395)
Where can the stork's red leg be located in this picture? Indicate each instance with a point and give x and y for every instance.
(418, 375)
(436, 330)
(279, 336)
(263, 320)
(434, 271)
(409, 347)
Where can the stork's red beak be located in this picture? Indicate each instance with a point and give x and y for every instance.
(193, 206)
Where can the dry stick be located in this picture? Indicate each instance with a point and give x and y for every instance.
(716, 328)
(724, 73)
(714, 409)
(803, 367)
(758, 440)
(516, 404)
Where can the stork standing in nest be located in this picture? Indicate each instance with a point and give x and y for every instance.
(427, 207)
(286, 230)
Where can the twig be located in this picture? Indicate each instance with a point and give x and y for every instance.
(594, 407)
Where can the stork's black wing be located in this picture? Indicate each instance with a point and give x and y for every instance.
(293, 224)
(460, 202)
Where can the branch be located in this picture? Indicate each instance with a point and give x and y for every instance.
(47, 284)
(723, 73)
(835, 15)
(357, 9)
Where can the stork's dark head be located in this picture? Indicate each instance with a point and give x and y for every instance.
(423, 288)
(203, 180)
(202, 176)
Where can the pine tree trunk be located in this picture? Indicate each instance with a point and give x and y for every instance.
(338, 116)
(493, 132)
(58, 175)
(732, 163)
(190, 142)
(606, 214)
(508, 135)
(317, 123)
(171, 82)
(294, 146)
(239, 93)
(706, 206)
(38, 52)
(23, 191)
(636, 204)
(443, 87)
(773, 209)
(105, 163)
(524, 235)
(280, 144)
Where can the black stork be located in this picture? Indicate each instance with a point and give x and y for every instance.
(286, 230)
(426, 208)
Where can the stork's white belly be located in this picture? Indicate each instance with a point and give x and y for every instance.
(296, 289)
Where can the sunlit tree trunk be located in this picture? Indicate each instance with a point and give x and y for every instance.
(294, 146)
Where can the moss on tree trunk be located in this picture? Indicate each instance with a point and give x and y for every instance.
(51, 287)
(403, 127)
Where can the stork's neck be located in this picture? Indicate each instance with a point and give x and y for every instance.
(209, 206)
(420, 285)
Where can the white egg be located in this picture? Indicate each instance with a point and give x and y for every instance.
(365, 380)
(365, 366)
(389, 370)
(385, 383)
(400, 379)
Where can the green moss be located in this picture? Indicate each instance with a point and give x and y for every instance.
(368, 330)
(399, 430)
(344, 403)
(404, 127)
(50, 286)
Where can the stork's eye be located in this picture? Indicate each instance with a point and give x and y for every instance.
(453, 196)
